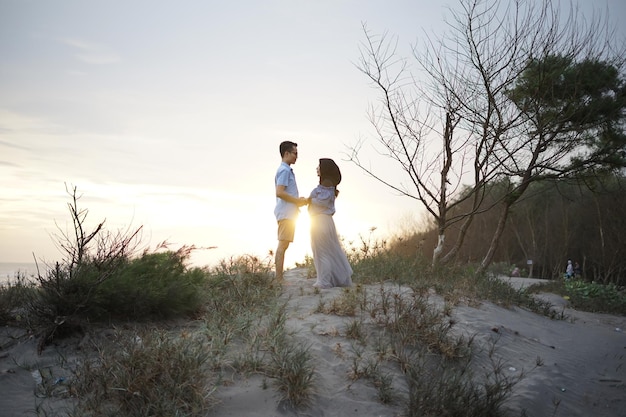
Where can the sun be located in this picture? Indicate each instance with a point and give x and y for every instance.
(301, 245)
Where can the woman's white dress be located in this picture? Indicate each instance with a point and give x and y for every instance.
(331, 263)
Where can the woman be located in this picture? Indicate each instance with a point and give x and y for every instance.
(331, 263)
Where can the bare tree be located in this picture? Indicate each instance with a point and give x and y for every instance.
(103, 248)
(437, 126)
(455, 127)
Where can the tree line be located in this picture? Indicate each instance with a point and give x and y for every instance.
(554, 222)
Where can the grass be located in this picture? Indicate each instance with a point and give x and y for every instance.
(181, 333)
(441, 387)
(171, 364)
(239, 324)
(152, 373)
(293, 370)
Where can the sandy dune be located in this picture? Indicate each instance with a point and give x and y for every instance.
(582, 368)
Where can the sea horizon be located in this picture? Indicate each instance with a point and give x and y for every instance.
(9, 270)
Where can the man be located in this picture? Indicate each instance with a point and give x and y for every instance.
(288, 203)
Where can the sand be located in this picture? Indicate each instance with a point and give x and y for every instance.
(582, 368)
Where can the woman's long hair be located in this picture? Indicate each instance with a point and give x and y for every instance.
(329, 173)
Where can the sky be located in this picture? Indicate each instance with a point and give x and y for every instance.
(168, 116)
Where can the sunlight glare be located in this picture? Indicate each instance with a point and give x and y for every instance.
(301, 245)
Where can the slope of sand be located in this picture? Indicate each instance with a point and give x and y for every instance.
(572, 367)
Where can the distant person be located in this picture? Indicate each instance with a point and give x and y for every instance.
(577, 271)
(329, 258)
(569, 270)
(515, 272)
(288, 203)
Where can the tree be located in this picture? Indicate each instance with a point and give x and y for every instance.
(406, 125)
(572, 116)
(468, 100)
(556, 220)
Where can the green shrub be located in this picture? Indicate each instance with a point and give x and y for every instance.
(154, 285)
(591, 296)
(587, 296)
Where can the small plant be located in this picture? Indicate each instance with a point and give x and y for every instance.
(358, 369)
(354, 330)
(309, 265)
(369, 367)
(438, 386)
(293, 371)
(384, 385)
(338, 350)
(321, 305)
(146, 374)
(348, 302)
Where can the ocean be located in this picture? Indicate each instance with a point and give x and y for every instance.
(9, 270)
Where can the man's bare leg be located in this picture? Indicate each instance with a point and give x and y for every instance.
(279, 259)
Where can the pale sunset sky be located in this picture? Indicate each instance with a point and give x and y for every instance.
(168, 115)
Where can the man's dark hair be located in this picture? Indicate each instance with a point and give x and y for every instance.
(286, 146)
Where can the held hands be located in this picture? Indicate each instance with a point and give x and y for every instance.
(302, 201)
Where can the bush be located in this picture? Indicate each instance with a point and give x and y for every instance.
(159, 373)
(155, 285)
(100, 279)
(591, 296)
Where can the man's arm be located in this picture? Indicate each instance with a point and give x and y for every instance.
(282, 193)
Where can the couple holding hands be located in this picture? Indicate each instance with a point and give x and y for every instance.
(331, 263)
